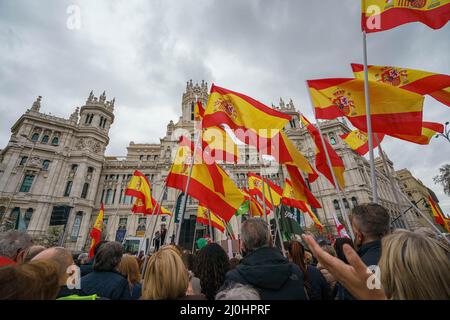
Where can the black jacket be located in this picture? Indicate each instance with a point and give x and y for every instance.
(87, 267)
(271, 274)
(370, 254)
(319, 289)
(105, 284)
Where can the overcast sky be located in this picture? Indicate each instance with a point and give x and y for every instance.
(143, 52)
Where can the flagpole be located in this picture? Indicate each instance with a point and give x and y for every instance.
(195, 234)
(263, 195)
(369, 122)
(158, 212)
(171, 218)
(210, 226)
(183, 204)
(336, 185)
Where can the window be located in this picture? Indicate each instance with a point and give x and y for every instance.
(68, 188)
(76, 226)
(90, 170)
(141, 157)
(100, 124)
(23, 161)
(192, 111)
(85, 190)
(27, 182)
(2, 212)
(346, 203)
(87, 119)
(55, 141)
(121, 197)
(45, 139)
(45, 164)
(28, 215)
(91, 116)
(354, 201)
(35, 137)
(165, 195)
(14, 215)
(332, 140)
(108, 196)
(74, 168)
(103, 195)
(104, 123)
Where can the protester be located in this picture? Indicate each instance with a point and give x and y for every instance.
(234, 262)
(238, 292)
(32, 251)
(130, 269)
(331, 280)
(157, 240)
(82, 259)
(264, 267)
(13, 246)
(105, 280)
(212, 264)
(338, 244)
(87, 267)
(166, 277)
(316, 286)
(194, 282)
(36, 280)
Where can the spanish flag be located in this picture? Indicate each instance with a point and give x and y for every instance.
(199, 111)
(439, 216)
(255, 186)
(418, 81)
(96, 231)
(393, 110)
(296, 190)
(307, 209)
(429, 130)
(160, 210)
(239, 111)
(139, 187)
(381, 15)
(321, 158)
(219, 145)
(203, 184)
(203, 214)
(256, 209)
(358, 141)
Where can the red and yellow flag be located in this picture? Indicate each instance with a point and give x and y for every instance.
(139, 187)
(381, 15)
(96, 231)
(307, 209)
(358, 141)
(417, 81)
(256, 209)
(255, 186)
(295, 190)
(219, 145)
(393, 110)
(429, 130)
(203, 214)
(239, 111)
(204, 186)
(439, 216)
(321, 158)
(199, 111)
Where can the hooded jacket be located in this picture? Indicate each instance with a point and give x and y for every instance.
(267, 271)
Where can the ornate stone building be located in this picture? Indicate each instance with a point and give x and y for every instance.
(54, 172)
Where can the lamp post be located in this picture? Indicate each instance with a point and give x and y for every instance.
(446, 133)
(416, 203)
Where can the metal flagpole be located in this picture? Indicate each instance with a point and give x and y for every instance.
(158, 212)
(171, 218)
(195, 234)
(183, 204)
(276, 222)
(264, 196)
(210, 226)
(336, 185)
(369, 122)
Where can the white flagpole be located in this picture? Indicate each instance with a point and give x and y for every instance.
(336, 185)
(369, 122)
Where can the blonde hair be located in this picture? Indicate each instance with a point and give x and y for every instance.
(414, 267)
(129, 267)
(166, 277)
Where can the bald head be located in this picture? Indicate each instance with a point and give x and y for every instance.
(32, 252)
(61, 256)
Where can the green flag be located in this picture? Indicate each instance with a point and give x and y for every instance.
(289, 225)
(243, 209)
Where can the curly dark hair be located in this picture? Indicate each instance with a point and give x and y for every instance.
(211, 265)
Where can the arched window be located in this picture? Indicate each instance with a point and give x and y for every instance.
(192, 111)
(45, 164)
(100, 124)
(85, 190)
(108, 196)
(346, 203)
(2, 212)
(45, 139)
(354, 201)
(90, 170)
(68, 189)
(55, 141)
(74, 168)
(35, 137)
(104, 123)
(332, 140)
(87, 118)
(91, 116)
(23, 161)
(337, 207)
(14, 215)
(27, 182)
(28, 215)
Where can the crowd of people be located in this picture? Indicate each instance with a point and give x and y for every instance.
(378, 264)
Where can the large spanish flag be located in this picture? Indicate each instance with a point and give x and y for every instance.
(139, 187)
(418, 81)
(381, 15)
(321, 158)
(358, 140)
(239, 111)
(218, 143)
(255, 186)
(295, 190)
(429, 130)
(203, 214)
(96, 231)
(393, 110)
(203, 184)
(439, 216)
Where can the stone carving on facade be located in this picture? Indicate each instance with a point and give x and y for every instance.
(36, 104)
(74, 115)
(88, 144)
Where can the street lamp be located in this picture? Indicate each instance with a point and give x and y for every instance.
(425, 203)
(445, 134)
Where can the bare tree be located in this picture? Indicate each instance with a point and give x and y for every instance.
(443, 178)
